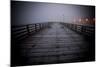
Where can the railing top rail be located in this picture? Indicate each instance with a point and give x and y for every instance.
(27, 24)
(83, 25)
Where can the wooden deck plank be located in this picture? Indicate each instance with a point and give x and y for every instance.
(54, 44)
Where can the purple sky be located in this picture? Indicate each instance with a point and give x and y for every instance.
(37, 12)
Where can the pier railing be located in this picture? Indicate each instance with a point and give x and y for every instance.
(88, 30)
(20, 32)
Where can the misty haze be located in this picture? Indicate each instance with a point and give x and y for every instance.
(35, 12)
(49, 33)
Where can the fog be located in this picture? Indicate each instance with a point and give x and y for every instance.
(37, 12)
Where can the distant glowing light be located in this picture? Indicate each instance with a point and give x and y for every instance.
(80, 20)
(86, 19)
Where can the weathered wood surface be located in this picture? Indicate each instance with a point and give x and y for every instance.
(53, 45)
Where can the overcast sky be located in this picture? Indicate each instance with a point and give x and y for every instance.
(37, 12)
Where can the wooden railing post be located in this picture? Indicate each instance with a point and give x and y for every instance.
(87, 30)
(27, 26)
(22, 31)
